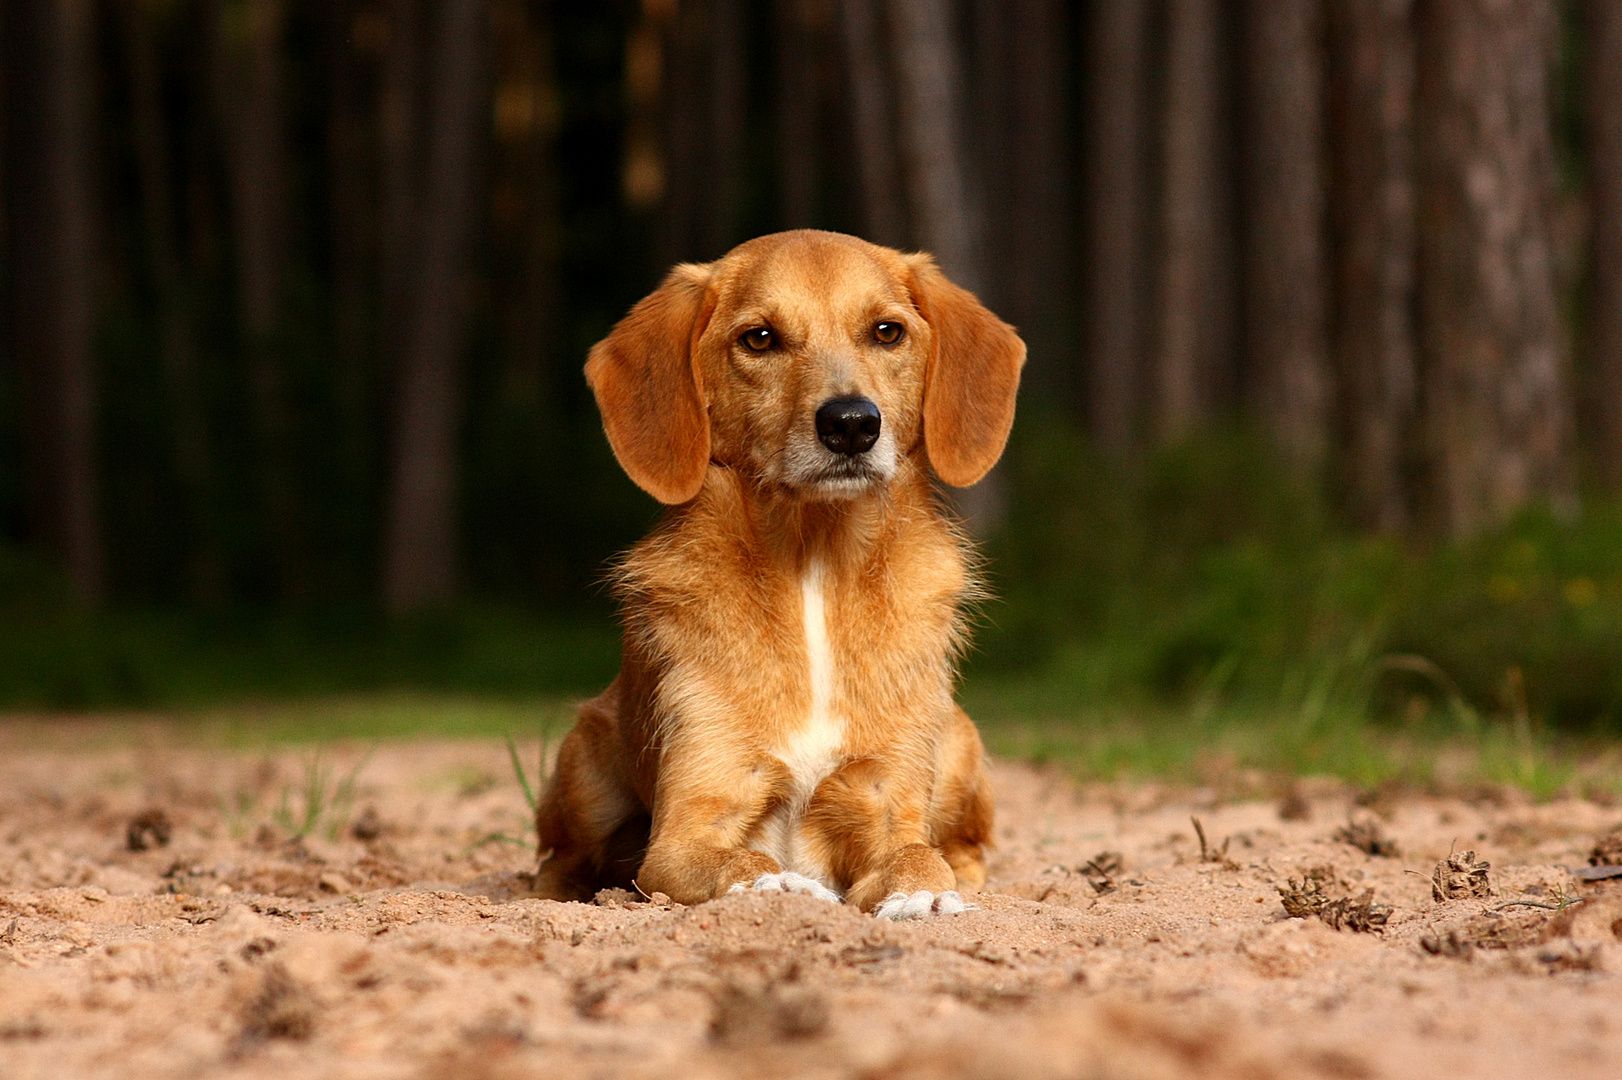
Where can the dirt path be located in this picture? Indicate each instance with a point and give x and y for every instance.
(233, 950)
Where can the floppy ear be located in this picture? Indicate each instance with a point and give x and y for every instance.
(648, 389)
(971, 380)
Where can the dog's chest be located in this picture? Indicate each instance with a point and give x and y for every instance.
(813, 746)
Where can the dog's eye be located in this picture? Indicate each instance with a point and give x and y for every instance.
(888, 333)
(758, 340)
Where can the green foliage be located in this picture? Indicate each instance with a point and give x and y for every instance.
(1528, 620)
(1211, 577)
(54, 655)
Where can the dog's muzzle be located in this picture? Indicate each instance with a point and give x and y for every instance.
(848, 425)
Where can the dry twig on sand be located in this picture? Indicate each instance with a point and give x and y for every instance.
(1367, 837)
(1321, 894)
(148, 829)
(1607, 851)
(1461, 877)
(1102, 870)
(1294, 806)
(1210, 853)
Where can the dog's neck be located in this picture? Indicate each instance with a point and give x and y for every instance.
(794, 532)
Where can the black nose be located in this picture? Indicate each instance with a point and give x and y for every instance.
(848, 425)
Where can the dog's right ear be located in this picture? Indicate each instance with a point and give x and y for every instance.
(972, 380)
(648, 388)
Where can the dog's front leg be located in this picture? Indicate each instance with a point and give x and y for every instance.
(706, 806)
(871, 817)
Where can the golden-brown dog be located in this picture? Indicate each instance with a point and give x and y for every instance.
(783, 717)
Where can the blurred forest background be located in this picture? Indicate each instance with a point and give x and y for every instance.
(1323, 298)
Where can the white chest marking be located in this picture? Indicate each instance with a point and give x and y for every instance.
(822, 733)
(811, 751)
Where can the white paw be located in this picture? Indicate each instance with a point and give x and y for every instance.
(922, 903)
(789, 881)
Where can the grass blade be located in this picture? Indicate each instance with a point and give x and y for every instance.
(523, 778)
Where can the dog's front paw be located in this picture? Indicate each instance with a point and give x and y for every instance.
(900, 905)
(788, 881)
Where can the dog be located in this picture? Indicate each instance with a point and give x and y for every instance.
(783, 718)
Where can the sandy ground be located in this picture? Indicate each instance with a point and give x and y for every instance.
(234, 949)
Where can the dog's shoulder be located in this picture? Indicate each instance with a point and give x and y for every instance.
(927, 553)
(694, 548)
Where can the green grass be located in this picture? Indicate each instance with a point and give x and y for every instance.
(308, 722)
(377, 718)
(323, 803)
(1241, 751)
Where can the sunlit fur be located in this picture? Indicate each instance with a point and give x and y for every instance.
(793, 623)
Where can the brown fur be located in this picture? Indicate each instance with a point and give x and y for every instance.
(692, 752)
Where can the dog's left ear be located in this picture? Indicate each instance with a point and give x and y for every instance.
(972, 377)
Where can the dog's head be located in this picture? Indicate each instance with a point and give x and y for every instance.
(812, 360)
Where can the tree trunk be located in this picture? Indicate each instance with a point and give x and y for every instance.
(420, 546)
(1193, 338)
(1371, 117)
(1604, 108)
(8, 58)
(1038, 271)
(534, 322)
(1284, 274)
(1114, 189)
(705, 114)
(943, 214)
(990, 134)
(349, 150)
(1017, 123)
(399, 135)
(1495, 397)
(49, 47)
(176, 342)
(643, 174)
(724, 146)
(685, 176)
(932, 138)
(249, 92)
(796, 117)
(883, 213)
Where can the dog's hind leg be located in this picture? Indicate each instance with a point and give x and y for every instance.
(593, 830)
(961, 810)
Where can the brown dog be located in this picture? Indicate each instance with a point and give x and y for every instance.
(783, 717)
